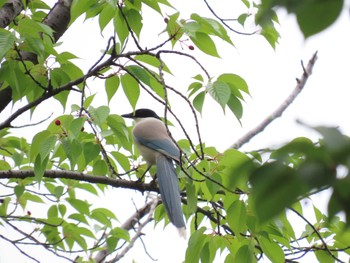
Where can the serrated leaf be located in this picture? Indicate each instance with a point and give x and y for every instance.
(220, 92)
(99, 114)
(91, 151)
(76, 126)
(235, 82)
(47, 146)
(6, 42)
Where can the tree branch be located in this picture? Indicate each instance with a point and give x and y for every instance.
(63, 174)
(279, 111)
(318, 234)
(9, 11)
(130, 223)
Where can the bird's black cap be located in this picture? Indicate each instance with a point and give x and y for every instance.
(141, 113)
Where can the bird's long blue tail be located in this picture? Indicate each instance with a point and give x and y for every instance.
(169, 191)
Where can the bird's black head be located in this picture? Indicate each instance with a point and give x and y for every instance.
(141, 113)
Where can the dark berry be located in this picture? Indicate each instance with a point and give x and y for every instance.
(191, 47)
(58, 122)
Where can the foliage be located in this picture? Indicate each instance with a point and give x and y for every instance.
(236, 202)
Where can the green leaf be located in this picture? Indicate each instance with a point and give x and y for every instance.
(205, 44)
(235, 106)
(271, 249)
(192, 198)
(271, 35)
(153, 61)
(7, 40)
(235, 82)
(4, 205)
(122, 160)
(194, 87)
(111, 86)
(245, 254)
(275, 187)
(212, 27)
(106, 16)
(140, 73)
(131, 89)
(40, 167)
(88, 100)
(81, 206)
(76, 126)
(78, 8)
(33, 197)
(315, 16)
(99, 114)
(236, 168)
(36, 143)
(220, 92)
(117, 124)
(4, 165)
(236, 217)
(135, 21)
(198, 101)
(91, 151)
(19, 190)
(120, 27)
(195, 245)
(100, 168)
(324, 256)
(47, 146)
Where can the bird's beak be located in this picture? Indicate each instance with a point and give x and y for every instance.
(128, 115)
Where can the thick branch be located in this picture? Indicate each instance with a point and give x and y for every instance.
(63, 174)
(9, 11)
(279, 111)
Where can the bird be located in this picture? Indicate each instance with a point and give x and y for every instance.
(157, 148)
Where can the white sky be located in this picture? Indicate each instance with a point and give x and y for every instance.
(271, 77)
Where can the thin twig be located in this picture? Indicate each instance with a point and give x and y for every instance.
(318, 234)
(279, 111)
(32, 124)
(224, 23)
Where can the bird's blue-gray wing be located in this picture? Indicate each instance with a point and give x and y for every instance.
(165, 146)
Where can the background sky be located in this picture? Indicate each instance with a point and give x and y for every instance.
(270, 75)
